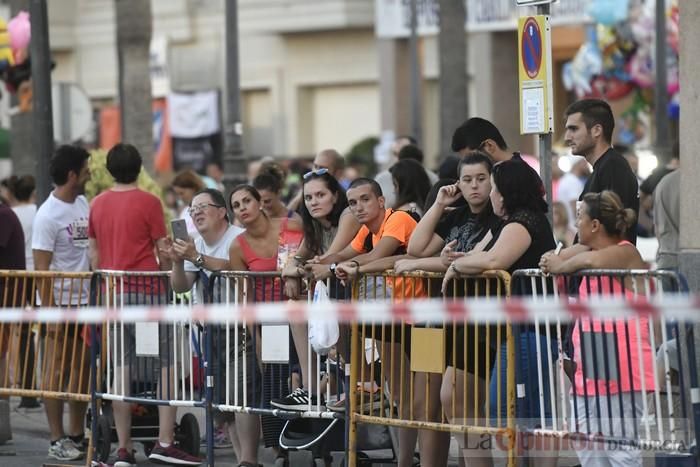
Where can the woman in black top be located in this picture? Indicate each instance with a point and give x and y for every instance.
(524, 235)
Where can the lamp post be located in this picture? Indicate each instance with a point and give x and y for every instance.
(234, 161)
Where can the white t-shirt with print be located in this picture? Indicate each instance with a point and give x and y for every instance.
(62, 228)
(570, 188)
(217, 250)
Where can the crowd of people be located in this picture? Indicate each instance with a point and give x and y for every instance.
(485, 211)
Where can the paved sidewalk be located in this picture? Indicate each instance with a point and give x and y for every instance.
(30, 445)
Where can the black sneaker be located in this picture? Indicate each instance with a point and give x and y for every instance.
(29, 403)
(297, 401)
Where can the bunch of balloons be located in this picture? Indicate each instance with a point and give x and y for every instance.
(15, 36)
(617, 59)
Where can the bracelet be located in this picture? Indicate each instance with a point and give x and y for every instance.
(357, 265)
(454, 268)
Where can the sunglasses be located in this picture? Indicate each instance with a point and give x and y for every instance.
(315, 172)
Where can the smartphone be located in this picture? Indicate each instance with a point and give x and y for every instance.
(560, 245)
(179, 227)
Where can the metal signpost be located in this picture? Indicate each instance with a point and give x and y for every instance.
(535, 84)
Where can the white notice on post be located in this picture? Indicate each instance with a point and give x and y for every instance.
(146, 337)
(533, 111)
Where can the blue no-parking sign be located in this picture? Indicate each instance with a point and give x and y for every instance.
(535, 75)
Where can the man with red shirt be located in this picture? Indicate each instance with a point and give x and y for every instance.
(126, 229)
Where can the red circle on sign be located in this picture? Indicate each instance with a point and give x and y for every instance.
(531, 48)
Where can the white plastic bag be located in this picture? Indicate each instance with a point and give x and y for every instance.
(324, 333)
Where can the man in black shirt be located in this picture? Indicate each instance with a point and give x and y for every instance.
(589, 128)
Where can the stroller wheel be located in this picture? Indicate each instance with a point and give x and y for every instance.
(148, 447)
(187, 434)
(103, 438)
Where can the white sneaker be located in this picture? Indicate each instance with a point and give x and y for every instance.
(64, 450)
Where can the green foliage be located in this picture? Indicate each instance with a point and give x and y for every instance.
(361, 155)
(101, 180)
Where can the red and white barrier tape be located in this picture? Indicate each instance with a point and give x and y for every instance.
(681, 307)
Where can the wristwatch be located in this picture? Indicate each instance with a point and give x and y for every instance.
(199, 261)
(332, 267)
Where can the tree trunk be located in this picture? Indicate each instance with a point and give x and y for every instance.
(134, 29)
(452, 44)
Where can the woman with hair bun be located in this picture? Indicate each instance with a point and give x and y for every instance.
(602, 222)
(269, 183)
(614, 381)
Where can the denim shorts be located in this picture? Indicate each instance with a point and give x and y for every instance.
(528, 410)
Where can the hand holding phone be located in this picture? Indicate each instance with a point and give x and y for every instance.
(179, 227)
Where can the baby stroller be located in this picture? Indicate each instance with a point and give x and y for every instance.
(325, 436)
(144, 413)
(144, 429)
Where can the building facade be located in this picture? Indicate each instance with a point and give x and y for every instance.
(310, 69)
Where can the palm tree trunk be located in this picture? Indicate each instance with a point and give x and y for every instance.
(452, 44)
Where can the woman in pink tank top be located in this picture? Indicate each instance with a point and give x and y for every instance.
(613, 358)
(257, 248)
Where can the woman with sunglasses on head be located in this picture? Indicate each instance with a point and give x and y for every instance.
(328, 228)
(518, 243)
(599, 382)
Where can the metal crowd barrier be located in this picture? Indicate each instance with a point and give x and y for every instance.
(251, 364)
(400, 365)
(146, 364)
(603, 384)
(44, 360)
(247, 363)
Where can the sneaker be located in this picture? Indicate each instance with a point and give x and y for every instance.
(297, 401)
(64, 450)
(221, 440)
(125, 458)
(29, 403)
(371, 401)
(171, 455)
(80, 445)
